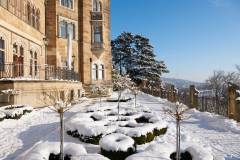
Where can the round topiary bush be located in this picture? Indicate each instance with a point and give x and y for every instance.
(117, 146)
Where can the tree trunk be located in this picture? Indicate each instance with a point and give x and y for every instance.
(178, 141)
(119, 96)
(100, 100)
(61, 157)
(135, 100)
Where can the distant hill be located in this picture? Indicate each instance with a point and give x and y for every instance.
(181, 82)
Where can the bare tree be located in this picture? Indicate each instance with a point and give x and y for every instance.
(120, 82)
(60, 100)
(100, 90)
(177, 110)
(218, 82)
(135, 91)
(10, 92)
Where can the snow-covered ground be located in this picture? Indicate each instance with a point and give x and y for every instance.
(219, 135)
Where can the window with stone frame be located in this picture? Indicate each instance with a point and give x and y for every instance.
(18, 8)
(38, 20)
(63, 29)
(4, 3)
(94, 5)
(33, 18)
(2, 53)
(101, 72)
(94, 72)
(97, 5)
(33, 63)
(29, 14)
(67, 3)
(97, 34)
(18, 60)
(71, 30)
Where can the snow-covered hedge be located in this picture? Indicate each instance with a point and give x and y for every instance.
(76, 151)
(117, 146)
(90, 127)
(164, 150)
(2, 116)
(15, 111)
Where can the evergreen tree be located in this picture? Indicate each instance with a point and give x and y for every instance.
(134, 54)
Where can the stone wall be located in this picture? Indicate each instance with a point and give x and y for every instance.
(32, 89)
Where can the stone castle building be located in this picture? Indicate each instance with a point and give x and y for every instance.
(34, 37)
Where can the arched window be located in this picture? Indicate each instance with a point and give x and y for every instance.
(94, 71)
(4, 4)
(63, 29)
(18, 59)
(29, 14)
(99, 6)
(97, 34)
(38, 20)
(2, 53)
(94, 5)
(71, 30)
(101, 72)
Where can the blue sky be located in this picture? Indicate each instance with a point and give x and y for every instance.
(192, 37)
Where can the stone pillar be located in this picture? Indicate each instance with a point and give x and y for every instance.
(233, 104)
(144, 83)
(173, 94)
(193, 97)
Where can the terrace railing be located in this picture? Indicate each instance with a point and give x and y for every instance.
(41, 72)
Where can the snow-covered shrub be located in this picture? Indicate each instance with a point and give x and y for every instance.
(117, 146)
(16, 112)
(46, 149)
(90, 127)
(144, 128)
(164, 150)
(2, 116)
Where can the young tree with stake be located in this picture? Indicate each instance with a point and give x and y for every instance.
(176, 111)
(60, 100)
(120, 82)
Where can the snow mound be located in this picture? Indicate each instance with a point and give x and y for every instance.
(162, 151)
(77, 152)
(116, 142)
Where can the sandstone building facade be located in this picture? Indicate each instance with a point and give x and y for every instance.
(24, 54)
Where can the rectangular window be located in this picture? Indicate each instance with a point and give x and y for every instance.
(62, 2)
(63, 29)
(1, 44)
(71, 30)
(97, 38)
(71, 4)
(79, 91)
(67, 3)
(62, 97)
(4, 4)
(36, 69)
(72, 94)
(94, 74)
(1, 60)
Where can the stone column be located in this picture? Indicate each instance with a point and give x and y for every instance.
(233, 104)
(193, 97)
(173, 94)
